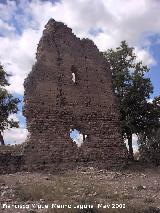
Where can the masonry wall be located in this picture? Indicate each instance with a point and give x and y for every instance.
(54, 103)
(11, 158)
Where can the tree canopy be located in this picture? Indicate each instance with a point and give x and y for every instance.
(149, 141)
(149, 147)
(133, 89)
(8, 105)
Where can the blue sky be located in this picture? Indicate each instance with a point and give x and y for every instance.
(105, 22)
(154, 73)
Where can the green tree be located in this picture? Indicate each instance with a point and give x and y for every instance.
(149, 141)
(132, 89)
(149, 147)
(8, 105)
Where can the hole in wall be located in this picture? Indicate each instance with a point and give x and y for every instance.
(77, 137)
(74, 73)
(73, 77)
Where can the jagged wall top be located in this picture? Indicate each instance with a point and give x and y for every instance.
(55, 104)
(53, 26)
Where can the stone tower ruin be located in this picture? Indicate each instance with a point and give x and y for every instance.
(68, 88)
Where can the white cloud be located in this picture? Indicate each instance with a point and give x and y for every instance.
(120, 21)
(79, 139)
(18, 55)
(150, 100)
(15, 136)
(145, 56)
(7, 10)
(134, 143)
(14, 117)
(5, 28)
(134, 21)
(76, 136)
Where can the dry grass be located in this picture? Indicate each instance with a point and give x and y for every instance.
(86, 188)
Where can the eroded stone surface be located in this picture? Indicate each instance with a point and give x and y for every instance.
(11, 158)
(70, 87)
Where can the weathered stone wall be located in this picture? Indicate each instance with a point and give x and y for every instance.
(54, 103)
(11, 158)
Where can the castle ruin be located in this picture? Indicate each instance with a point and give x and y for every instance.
(70, 88)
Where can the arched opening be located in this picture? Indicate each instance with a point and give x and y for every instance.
(77, 137)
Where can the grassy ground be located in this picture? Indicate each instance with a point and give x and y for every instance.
(107, 191)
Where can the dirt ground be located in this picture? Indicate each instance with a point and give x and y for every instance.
(82, 190)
